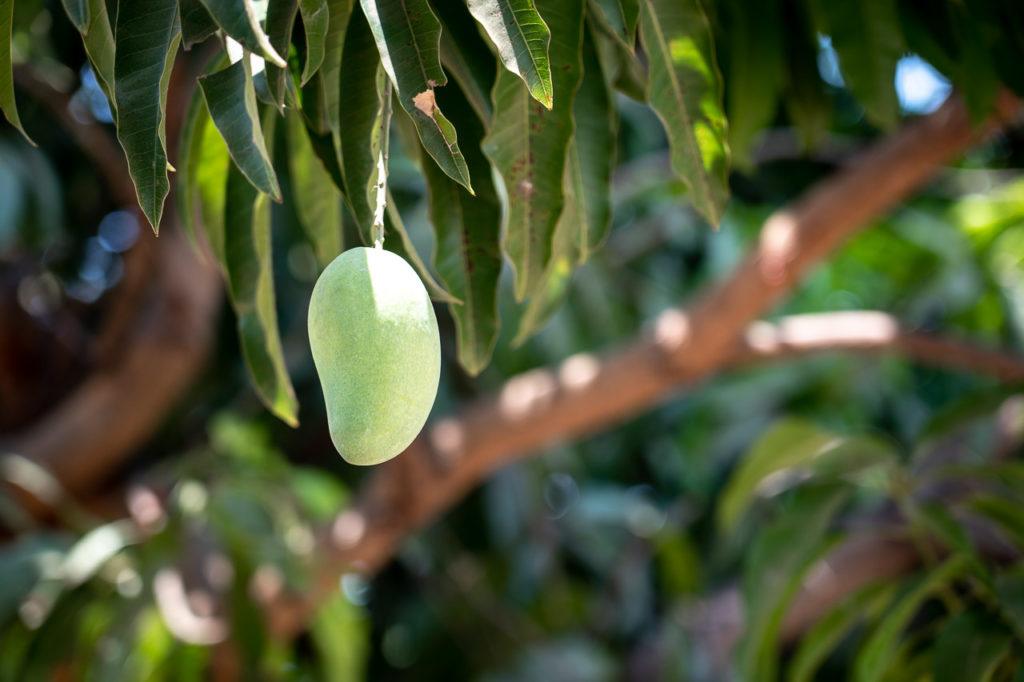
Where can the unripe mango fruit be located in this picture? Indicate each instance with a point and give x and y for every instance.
(377, 350)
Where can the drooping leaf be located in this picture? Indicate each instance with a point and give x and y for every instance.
(341, 633)
(7, 102)
(781, 555)
(806, 102)
(147, 37)
(250, 276)
(317, 201)
(619, 60)
(969, 648)
(595, 148)
(365, 118)
(686, 93)
(196, 23)
(98, 40)
(868, 42)
(529, 144)
(280, 21)
(824, 636)
(521, 38)
(191, 142)
(78, 13)
(339, 14)
(240, 20)
(622, 16)
(466, 57)
(211, 181)
(467, 228)
(315, 22)
(403, 246)
(881, 647)
(407, 36)
(755, 73)
(231, 100)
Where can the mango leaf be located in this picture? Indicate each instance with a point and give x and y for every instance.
(781, 555)
(622, 16)
(317, 201)
(822, 639)
(240, 20)
(393, 226)
(78, 13)
(407, 36)
(686, 93)
(522, 39)
(315, 21)
(625, 72)
(755, 73)
(881, 648)
(250, 276)
(339, 13)
(147, 37)
(280, 21)
(528, 145)
(1009, 589)
(970, 648)
(196, 23)
(196, 118)
(467, 254)
(211, 179)
(231, 100)
(868, 42)
(365, 118)
(594, 148)
(7, 102)
(1003, 513)
(467, 58)
(785, 454)
(98, 40)
(341, 634)
(806, 102)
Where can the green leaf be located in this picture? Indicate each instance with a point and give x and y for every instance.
(622, 16)
(365, 118)
(755, 73)
(7, 101)
(407, 36)
(231, 99)
(868, 42)
(341, 634)
(196, 23)
(809, 108)
(78, 13)
(969, 648)
(211, 179)
(625, 72)
(196, 119)
(881, 647)
(404, 247)
(250, 275)
(317, 201)
(1009, 589)
(280, 21)
(686, 93)
(790, 450)
(529, 144)
(1006, 515)
(466, 56)
(594, 149)
(821, 640)
(339, 15)
(467, 255)
(522, 39)
(147, 38)
(315, 22)
(781, 555)
(98, 40)
(240, 20)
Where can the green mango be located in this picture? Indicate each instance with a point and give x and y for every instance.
(376, 347)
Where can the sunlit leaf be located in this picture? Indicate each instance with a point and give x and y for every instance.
(196, 118)
(780, 556)
(407, 36)
(211, 179)
(467, 229)
(522, 38)
(231, 100)
(403, 246)
(686, 93)
(317, 201)
(147, 38)
(250, 275)
(881, 647)
(7, 102)
(241, 21)
(969, 648)
(529, 144)
(341, 634)
(315, 22)
(95, 548)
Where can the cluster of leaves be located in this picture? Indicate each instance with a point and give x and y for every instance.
(96, 604)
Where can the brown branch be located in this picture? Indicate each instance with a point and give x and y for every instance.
(587, 393)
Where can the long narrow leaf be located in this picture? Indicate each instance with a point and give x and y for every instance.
(407, 35)
(686, 93)
(622, 16)
(211, 179)
(78, 13)
(196, 23)
(528, 145)
(231, 99)
(403, 246)
(240, 20)
(339, 15)
(595, 147)
(196, 118)
(147, 38)
(522, 39)
(969, 648)
(466, 56)
(317, 200)
(7, 101)
(315, 22)
(280, 21)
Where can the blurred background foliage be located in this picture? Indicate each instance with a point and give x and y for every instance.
(583, 563)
